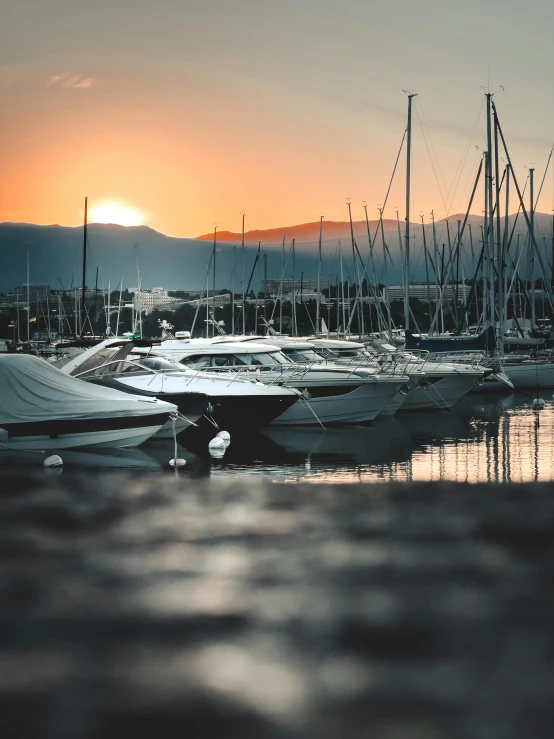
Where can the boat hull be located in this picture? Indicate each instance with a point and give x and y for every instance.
(360, 405)
(71, 434)
(534, 374)
(395, 395)
(441, 394)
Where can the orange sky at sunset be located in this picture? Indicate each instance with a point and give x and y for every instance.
(191, 112)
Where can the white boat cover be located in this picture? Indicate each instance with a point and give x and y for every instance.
(32, 390)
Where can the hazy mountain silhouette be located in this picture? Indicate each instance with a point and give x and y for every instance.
(181, 263)
(334, 230)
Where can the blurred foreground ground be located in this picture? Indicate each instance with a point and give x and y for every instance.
(151, 606)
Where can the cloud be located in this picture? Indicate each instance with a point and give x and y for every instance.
(66, 79)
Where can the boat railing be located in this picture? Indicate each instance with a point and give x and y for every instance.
(281, 372)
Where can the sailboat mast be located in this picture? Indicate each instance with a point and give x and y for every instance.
(281, 286)
(109, 316)
(504, 255)
(28, 300)
(294, 327)
(213, 280)
(233, 291)
(342, 290)
(490, 235)
(498, 245)
(317, 322)
(83, 282)
(407, 232)
(532, 231)
(243, 282)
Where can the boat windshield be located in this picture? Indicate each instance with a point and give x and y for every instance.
(158, 364)
(343, 353)
(97, 360)
(303, 355)
(115, 368)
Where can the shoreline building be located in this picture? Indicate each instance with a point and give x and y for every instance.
(158, 298)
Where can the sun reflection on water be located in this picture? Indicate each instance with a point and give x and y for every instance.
(482, 440)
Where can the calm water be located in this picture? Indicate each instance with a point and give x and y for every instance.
(487, 438)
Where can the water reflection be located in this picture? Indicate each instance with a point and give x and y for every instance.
(485, 438)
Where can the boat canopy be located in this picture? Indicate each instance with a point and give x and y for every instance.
(33, 390)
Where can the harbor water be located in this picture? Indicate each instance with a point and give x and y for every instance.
(485, 438)
(220, 600)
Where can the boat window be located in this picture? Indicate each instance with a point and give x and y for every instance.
(348, 352)
(328, 353)
(221, 360)
(260, 359)
(158, 364)
(126, 368)
(306, 355)
(197, 361)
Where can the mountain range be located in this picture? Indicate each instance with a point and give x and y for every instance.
(55, 253)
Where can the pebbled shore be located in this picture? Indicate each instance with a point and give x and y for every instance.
(136, 605)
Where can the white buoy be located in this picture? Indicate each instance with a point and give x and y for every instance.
(217, 447)
(225, 435)
(53, 461)
(176, 461)
(538, 404)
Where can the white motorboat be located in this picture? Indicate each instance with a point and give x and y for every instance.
(435, 384)
(306, 352)
(232, 402)
(42, 408)
(330, 394)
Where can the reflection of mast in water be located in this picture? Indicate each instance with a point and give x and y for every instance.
(495, 445)
(505, 431)
(536, 438)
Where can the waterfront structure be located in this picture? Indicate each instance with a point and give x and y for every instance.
(146, 301)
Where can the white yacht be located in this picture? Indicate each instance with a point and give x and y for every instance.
(233, 402)
(305, 352)
(436, 384)
(330, 394)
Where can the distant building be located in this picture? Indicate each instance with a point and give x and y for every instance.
(274, 287)
(424, 290)
(38, 292)
(147, 301)
(218, 300)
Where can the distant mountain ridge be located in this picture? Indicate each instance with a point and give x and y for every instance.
(302, 232)
(334, 230)
(175, 263)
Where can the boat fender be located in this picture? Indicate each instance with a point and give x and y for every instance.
(538, 404)
(217, 447)
(226, 436)
(52, 461)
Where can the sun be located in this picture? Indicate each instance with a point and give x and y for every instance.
(117, 211)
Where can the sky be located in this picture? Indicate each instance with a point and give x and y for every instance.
(181, 114)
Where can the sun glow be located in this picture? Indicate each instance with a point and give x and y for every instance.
(116, 211)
